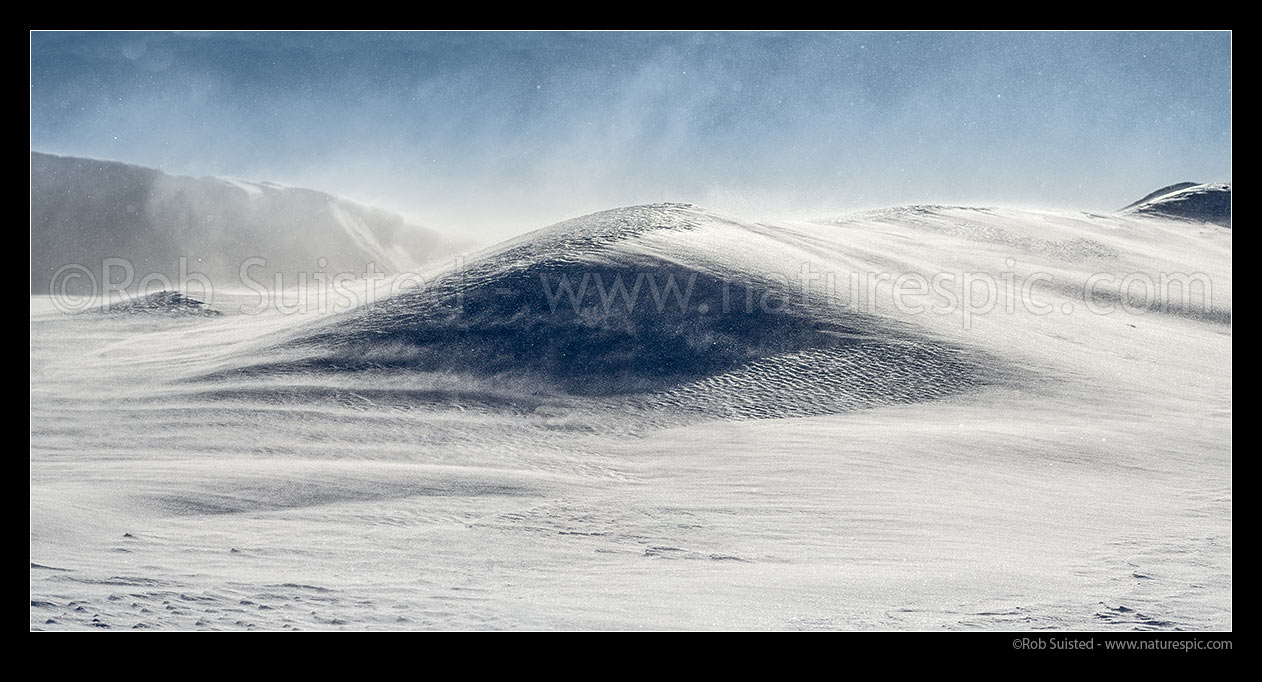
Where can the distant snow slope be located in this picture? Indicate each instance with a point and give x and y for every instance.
(463, 455)
(84, 211)
(1209, 203)
(1161, 192)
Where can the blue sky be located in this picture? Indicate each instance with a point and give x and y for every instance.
(492, 134)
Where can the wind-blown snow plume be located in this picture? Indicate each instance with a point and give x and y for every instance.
(85, 211)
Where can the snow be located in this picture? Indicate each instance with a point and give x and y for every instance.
(1206, 203)
(173, 229)
(1004, 469)
(253, 189)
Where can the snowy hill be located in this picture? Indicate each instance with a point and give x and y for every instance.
(84, 211)
(639, 300)
(1207, 203)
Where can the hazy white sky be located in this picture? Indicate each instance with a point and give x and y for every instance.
(492, 134)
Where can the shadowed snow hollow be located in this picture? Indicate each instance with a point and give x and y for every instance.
(668, 303)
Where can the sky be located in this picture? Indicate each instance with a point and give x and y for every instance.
(487, 135)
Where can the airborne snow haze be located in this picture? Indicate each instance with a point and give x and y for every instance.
(632, 330)
(493, 134)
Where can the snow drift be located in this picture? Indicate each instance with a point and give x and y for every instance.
(660, 301)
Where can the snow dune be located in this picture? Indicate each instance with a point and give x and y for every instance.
(595, 308)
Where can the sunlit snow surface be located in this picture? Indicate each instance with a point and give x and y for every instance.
(833, 463)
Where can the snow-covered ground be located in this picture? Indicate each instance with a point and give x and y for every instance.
(831, 451)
